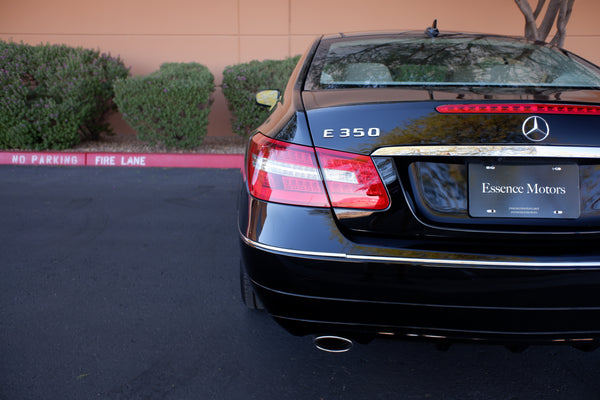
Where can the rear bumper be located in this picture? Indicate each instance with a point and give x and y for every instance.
(313, 280)
(360, 300)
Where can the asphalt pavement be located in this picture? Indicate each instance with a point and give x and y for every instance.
(122, 283)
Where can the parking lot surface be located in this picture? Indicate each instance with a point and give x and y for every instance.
(122, 283)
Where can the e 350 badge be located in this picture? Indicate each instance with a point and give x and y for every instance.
(351, 132)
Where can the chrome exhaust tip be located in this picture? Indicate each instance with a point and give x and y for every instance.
(332, 344)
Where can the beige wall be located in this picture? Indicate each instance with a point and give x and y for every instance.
(146, 33)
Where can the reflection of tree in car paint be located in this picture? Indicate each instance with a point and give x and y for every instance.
(442, 186)
(434, 128)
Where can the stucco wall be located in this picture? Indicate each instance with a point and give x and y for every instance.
(146, 33)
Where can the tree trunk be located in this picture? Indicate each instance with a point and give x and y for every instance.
(557, 10)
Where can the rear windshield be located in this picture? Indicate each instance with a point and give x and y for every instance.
(451, 61)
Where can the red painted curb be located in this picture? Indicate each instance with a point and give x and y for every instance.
(159, 160)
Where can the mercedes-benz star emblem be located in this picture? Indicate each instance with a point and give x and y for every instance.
(536, 128)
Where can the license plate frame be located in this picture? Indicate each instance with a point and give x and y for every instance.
(524, 191)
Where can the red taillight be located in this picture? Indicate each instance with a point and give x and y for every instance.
(352, 180)
(284, 173)
(287, 173)
(518, 109)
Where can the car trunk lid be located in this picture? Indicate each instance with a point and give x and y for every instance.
(435, 164)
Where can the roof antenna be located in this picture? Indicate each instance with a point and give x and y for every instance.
(433, 31)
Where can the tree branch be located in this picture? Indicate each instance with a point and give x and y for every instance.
(549, 18)
(531, 31)
(557, 10)
(538, 8)
(561, 23)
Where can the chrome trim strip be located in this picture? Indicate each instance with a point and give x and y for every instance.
(290, 251)
(490, 151)
(427, 262)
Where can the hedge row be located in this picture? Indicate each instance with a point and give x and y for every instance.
(54, 96)
(170, 106)
(241, 82)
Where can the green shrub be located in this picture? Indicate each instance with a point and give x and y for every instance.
(53, 96)
(169, 106)
(241, 82)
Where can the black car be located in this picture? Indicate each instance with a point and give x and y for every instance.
(429, 186)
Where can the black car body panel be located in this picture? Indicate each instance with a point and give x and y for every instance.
(313, 280)
(404, 123)
(430, 262)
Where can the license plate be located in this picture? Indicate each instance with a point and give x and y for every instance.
(524, 191)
